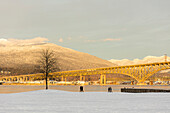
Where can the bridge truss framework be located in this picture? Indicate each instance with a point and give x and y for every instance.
(139, 72)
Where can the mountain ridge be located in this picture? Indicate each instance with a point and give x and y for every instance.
(145, 60)
(25, 57)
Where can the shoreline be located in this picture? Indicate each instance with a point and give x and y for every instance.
(5, 89)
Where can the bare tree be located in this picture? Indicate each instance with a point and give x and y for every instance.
(47, 63)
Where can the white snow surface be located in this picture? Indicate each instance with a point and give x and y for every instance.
(53, 101)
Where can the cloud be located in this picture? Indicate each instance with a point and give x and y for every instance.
(13, 42)
(60, 40)
(3, 40)
(69, 38)
(104, 40)
(112, 39)
(91, 41)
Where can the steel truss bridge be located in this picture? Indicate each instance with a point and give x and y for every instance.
(139, 72)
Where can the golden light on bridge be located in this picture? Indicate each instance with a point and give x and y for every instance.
(138, 72)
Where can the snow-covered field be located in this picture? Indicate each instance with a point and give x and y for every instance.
(53, 101)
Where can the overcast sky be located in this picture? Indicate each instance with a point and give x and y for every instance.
(109, 29)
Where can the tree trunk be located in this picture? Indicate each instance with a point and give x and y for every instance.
(46, 80)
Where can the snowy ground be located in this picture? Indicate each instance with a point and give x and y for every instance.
(53, 101)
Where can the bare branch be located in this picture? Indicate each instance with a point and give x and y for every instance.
(48, 62)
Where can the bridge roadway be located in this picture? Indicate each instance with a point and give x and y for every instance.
(139, 72)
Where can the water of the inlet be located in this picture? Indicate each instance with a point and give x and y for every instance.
(54, 101)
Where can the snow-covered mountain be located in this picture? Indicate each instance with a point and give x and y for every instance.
(25, 56)
(147, 59)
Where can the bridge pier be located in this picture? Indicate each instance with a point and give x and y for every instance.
(82, 78)
(62, 78)
(15, 79)
(151, 83)
(20, 79)
(102, 79)
(26, 79)
(65, 80)
(132, 82)
(9, 79)
(4, 79)
(141, 83)
(31, 79)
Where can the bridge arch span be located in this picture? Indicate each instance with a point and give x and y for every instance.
(139, 72)
(151, 74)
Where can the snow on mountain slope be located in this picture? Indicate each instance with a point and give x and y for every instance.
(147, 59)
(68, 59)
